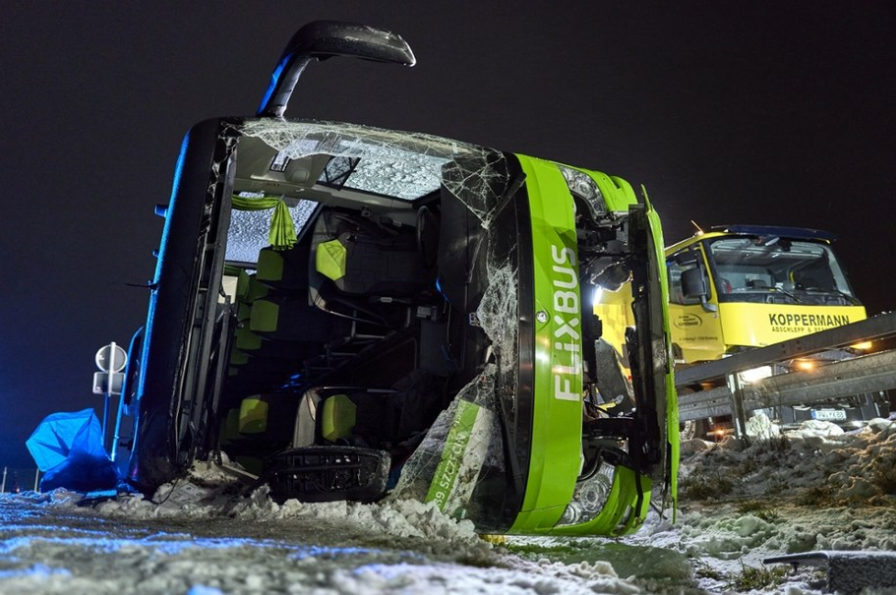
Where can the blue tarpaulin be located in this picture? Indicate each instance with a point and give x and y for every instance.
(68, 449)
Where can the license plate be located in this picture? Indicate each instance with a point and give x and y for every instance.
(829, 414)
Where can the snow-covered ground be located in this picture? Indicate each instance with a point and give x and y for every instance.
(815, 489)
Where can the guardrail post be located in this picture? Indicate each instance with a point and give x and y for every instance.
(738, 413)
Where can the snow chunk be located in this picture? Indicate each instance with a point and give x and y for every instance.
(760, 426)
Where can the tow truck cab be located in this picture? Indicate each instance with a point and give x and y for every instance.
(349, 312)
(739, 287)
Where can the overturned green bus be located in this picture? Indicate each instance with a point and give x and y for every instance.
(349, 312)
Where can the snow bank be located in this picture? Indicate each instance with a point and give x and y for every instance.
(193, 542)
(816, 488)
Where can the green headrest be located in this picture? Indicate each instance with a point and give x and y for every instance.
(270, 265)
(253, 415)
(329, 259)
(246, 340)
(264, 316)
(337, 417)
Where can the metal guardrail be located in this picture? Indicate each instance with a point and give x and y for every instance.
(859, 375)
(877, 327)
(865, 374)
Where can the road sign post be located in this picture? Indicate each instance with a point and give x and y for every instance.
(111, 360)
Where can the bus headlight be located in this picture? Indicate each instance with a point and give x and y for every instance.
(589, 497)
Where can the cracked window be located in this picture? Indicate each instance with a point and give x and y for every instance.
(402, 165)
(248, 232)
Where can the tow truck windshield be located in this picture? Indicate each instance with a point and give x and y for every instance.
(778, 270)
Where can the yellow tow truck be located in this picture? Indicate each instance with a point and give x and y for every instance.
(739, 287)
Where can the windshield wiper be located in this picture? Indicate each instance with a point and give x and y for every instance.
(852, 300)
(788, 294)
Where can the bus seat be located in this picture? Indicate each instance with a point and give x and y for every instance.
(253, 416)
(357, 416)
(254, 345)
(288, 318)
(361, 259)
(285, 270)
(339, 416)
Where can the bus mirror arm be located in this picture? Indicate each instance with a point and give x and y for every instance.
(320, 40)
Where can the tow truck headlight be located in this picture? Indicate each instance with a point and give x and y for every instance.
(804, 365)
(756, 374)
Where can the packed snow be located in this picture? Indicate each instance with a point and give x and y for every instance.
(817, 488)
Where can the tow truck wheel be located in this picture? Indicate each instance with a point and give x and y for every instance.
(694, 428)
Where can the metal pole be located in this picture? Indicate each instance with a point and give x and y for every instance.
(3, 485)
(738, 414)
(36, 478)
(117, 430)
(107, 400)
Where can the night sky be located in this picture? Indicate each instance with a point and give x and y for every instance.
(753, 112)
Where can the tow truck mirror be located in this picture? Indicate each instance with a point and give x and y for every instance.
(693, 283)
(320, 40)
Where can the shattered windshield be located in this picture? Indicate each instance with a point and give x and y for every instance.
(403, 165)
(405, 176)
(795, 270)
